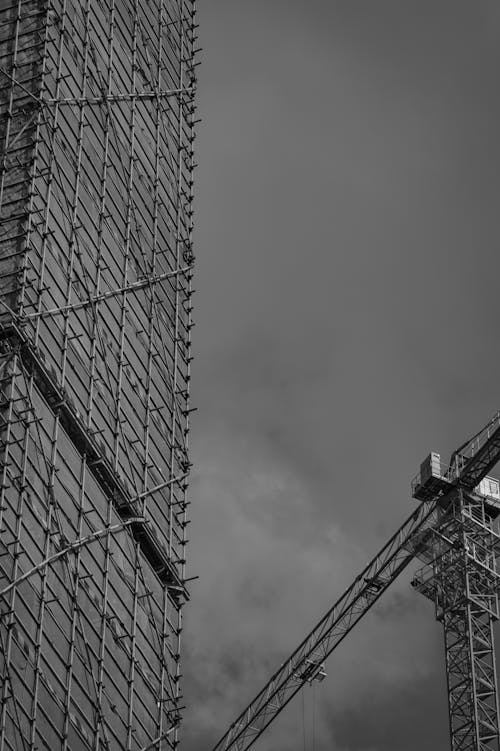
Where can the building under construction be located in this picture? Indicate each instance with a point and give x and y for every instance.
(96, 133)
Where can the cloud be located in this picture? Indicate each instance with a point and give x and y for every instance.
(389, 718)
(274, 568)
(347, 234)
(263, 589)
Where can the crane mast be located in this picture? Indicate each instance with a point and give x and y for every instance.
(453, 532)
(460, 577)
(462, 581)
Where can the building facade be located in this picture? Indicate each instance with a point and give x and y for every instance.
(96, 163)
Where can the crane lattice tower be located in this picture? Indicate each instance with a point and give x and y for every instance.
(460, 577)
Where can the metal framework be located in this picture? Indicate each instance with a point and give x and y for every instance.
(97, 123)
(462, 580)
(453, 531)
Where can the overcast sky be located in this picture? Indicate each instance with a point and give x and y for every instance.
(347, 228)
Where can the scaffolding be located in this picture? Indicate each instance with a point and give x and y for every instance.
(97, 121)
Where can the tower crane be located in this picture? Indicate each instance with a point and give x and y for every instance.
(454, 533)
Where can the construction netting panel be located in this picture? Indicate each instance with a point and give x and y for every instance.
(89, 642)
(96, 162)
(21, 47)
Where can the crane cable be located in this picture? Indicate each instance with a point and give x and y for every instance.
(303, 720)
(314, 718)
(313, 713)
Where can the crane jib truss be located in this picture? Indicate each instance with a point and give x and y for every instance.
(432, 520)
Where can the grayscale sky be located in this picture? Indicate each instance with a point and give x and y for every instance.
(347, 231)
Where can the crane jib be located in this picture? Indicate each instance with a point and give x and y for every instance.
(481, 462)
(331, 630)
